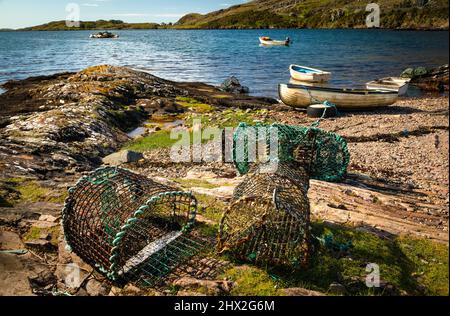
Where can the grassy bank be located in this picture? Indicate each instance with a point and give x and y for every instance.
(395, 14)
(407, 265)
(198, 112)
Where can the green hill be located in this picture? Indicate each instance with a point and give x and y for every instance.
(92, 25)
(395, 14)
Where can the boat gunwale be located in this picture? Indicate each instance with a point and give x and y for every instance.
(340, 90)
(316, 71)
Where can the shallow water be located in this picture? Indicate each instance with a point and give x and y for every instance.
(137, 132)
(354, 56)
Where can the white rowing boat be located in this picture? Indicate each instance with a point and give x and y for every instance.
(397, 84)
(307, 74)
(265, 40)
(302, 96)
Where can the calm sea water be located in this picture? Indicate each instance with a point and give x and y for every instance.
(354, 56)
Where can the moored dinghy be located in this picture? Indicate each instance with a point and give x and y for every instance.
(396, 84)
(105, 34)
(302, 96)
(266, 40)
(307, 74)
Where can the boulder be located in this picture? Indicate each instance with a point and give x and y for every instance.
(121, 157)
(435, 79)
(233, 85)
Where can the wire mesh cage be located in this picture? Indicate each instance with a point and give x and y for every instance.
(269, 218)
(323, 154)
(123, 223)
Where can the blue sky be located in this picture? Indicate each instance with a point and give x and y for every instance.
(22, 13)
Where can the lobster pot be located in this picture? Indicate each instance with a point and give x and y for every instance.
(116, 220)
(322, 154)
(268, 221)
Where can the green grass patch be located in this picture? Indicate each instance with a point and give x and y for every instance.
(37, 233)
(19, 190)
(194, 105)
(210, 207)
(430, 261)
(159, 139)
(408, 266)
(411, 266)
(195, 183)
(251, 281)
(206, 230)
(222, 96)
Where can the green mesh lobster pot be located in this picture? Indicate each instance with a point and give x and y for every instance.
(268, 221)
(323, 154)
(116, 220)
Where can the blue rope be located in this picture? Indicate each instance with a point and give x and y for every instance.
(329, 104)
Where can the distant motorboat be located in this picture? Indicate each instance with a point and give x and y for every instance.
(302, 96)
(104, 35)
(307, 74)
(266, 40)
(397, 84)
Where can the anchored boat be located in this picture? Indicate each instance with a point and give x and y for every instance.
(396, 84)
(302, 96)
(104, 35)
(266, 40)
(307, 74)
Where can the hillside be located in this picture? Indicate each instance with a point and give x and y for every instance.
(395, 14)
(92, 25)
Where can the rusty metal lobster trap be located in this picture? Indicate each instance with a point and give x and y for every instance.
(269, 218)
(128, 226)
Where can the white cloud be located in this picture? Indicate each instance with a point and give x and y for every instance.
(89, 4)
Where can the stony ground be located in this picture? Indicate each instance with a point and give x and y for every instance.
(397, 183)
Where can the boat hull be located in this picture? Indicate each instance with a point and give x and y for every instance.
(315, 75)
(273, 42)
(399, 85)
(303, 96)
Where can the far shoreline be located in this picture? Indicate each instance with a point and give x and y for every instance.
(235, 29)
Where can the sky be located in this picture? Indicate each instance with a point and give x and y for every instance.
(22, 13)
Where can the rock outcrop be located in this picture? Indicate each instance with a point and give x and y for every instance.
(435, 79)
(68, 122)
(233, 85)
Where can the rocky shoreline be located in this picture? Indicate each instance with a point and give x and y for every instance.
(56, 128)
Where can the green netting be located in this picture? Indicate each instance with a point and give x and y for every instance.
(268, 221)
(323, 154)
(120, 222)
